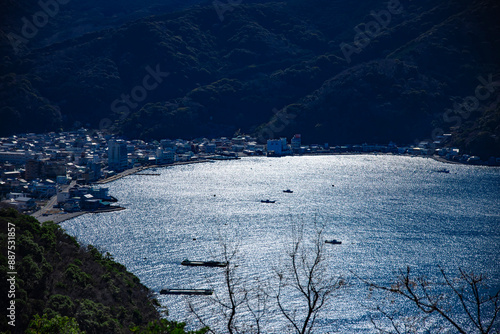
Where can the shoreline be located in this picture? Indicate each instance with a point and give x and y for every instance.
(135, 170)
(434, 157)
(59, 218)
(446, 161)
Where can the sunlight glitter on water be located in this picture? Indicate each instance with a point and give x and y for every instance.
(388, 211)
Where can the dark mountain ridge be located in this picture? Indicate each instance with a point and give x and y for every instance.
(209, 71)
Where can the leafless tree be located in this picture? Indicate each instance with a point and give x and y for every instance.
(257, 303)
(246, 306)
(410, 324)
(308, 276)
(479, 310)
(236, 298)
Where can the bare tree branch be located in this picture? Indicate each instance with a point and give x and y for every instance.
(307, 274)
(193, 310)
(235, 297)
(481, 310)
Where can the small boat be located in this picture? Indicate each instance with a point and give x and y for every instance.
(288, 191)
(205, 292)
(267, 201)
(203, 263)
(442, 170)
(333, 242)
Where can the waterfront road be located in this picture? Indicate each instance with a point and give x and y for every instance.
(49, 207)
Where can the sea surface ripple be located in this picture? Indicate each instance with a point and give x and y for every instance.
(390, 212)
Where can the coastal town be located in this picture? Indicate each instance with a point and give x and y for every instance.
(56, 176)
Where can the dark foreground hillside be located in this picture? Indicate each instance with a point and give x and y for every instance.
(58, 280)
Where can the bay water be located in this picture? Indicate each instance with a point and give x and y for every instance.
(390, 212)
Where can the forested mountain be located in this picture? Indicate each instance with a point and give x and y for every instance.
(335, 71)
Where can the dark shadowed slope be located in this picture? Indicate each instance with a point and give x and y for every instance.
(210, 71)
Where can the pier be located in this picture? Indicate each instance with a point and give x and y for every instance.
(199, 292)
(203, 263)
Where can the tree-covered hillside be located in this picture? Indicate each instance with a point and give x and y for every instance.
(51, 282)
(334, 71)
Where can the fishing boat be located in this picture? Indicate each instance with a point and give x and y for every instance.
(442, 170)
(267, 201)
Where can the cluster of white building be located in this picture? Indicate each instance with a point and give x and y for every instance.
(34, 164)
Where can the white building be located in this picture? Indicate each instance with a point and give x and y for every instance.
(210, 148)
(62, 197)
(278, 147)
(274, 146)
(296, 142)
(165, 156)
(16, 195)
(16, 158)
(117, 155)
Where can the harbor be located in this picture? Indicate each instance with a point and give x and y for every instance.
(369, 210)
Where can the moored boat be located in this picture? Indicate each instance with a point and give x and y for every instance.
(442, 170)
(205, 292)
(203, 263)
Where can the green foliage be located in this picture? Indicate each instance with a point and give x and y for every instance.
(61, 285)
(39, 117)
(30, 271)
(49, 233)
(73, 272)
(61, 304)
(165, 327)
(55, 325)
(95, 317)
(115, 291)
(56, 279)
(97, 256)
(27, 246)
